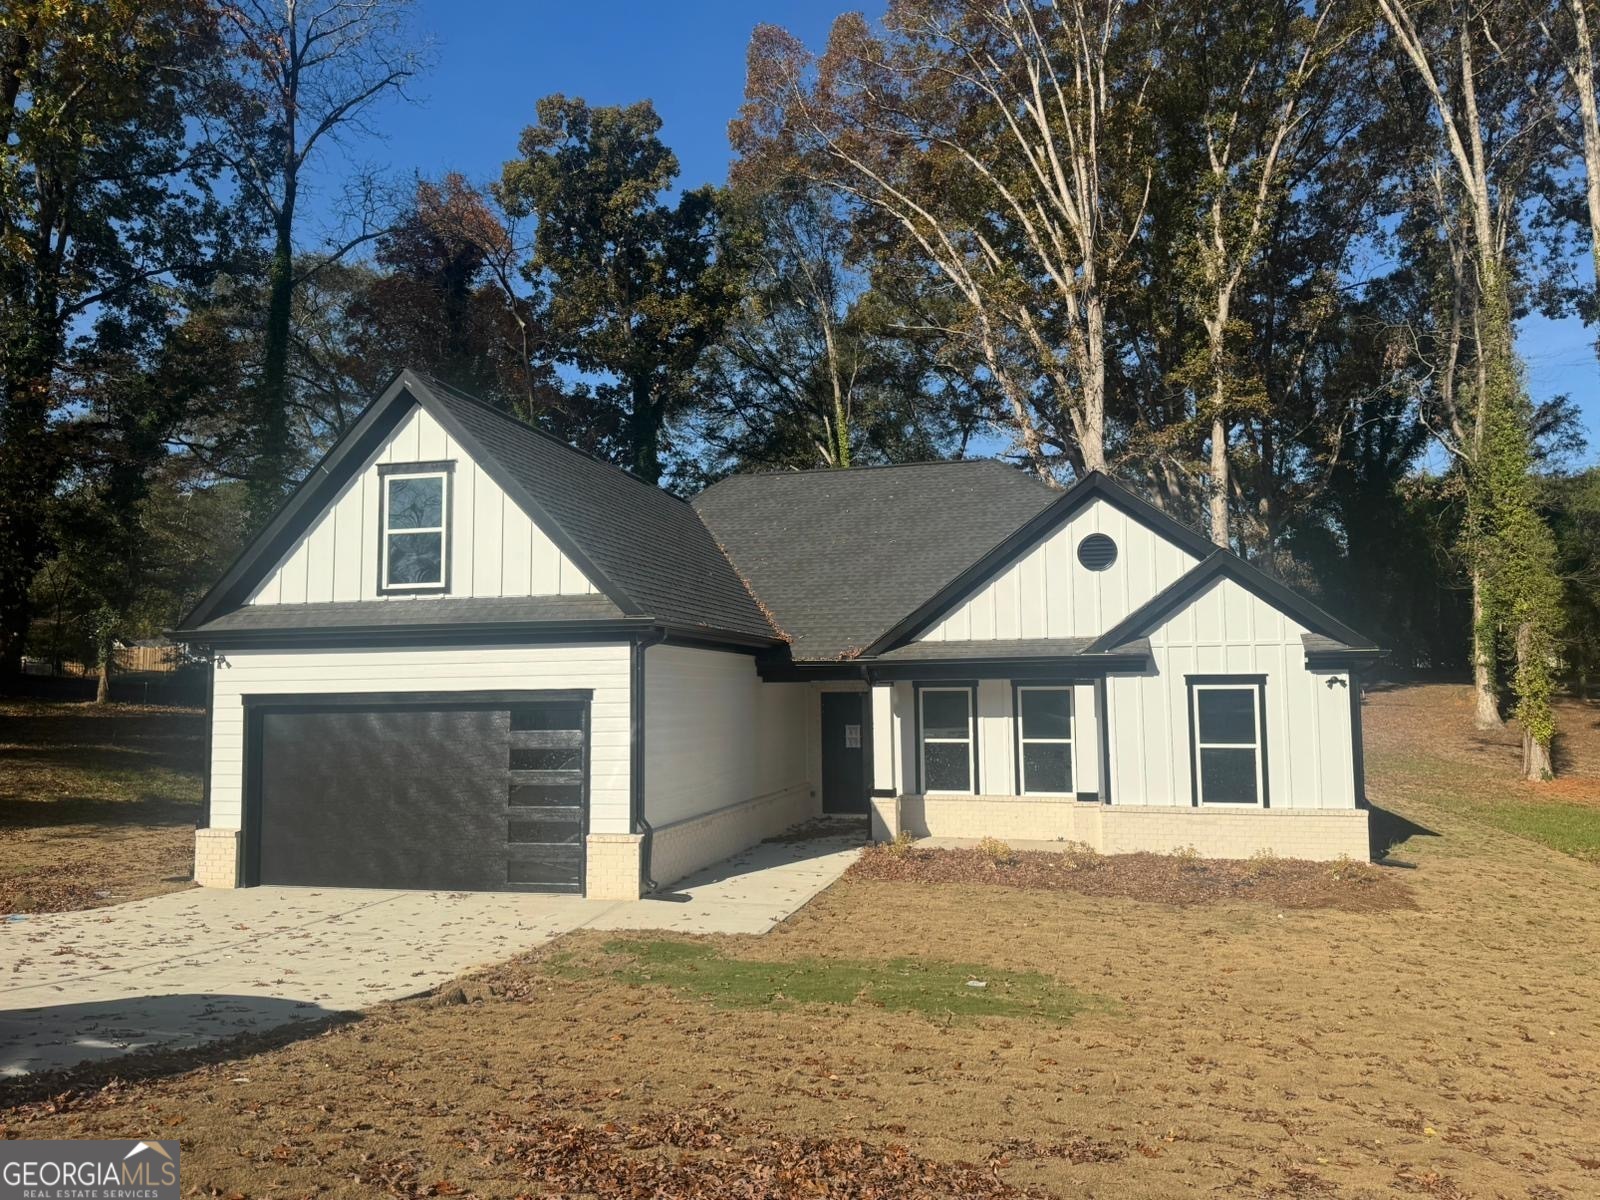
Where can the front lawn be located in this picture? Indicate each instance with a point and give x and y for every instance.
(1443, 1047)
(97, 803)
(1422, 747)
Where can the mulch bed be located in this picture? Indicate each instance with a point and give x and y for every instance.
(1162, 878)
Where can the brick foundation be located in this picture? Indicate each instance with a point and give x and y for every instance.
(1311, 833)
(612, 869)
(683, 847)
(216, 858)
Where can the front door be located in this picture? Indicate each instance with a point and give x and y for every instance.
(844, 754)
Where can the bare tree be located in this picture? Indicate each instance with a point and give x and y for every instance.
(1573, 42)
(308, 72)
(1495, 125)
(1021, 222)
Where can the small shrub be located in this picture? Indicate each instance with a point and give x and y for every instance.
(1188, 857)
(1262, 863)
(1345, 869)
(903, 841)
(1080, 856)
(995, 850)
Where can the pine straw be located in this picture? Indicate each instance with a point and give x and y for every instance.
(1161, 878)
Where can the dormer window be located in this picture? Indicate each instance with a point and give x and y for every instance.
(414, 548)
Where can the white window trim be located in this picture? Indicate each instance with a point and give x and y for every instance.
(442, 529)
(1254, 689)
(970, 741)
(1023, 740)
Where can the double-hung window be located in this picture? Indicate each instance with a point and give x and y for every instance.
(1226, 719)
(1044, 733)
(949, 747)
(415, 539)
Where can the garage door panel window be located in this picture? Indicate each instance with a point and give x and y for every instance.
(560, 716)
(545, 760)
(949, 761)
(1229, 736)
(415, 530)
(1044, 733)
(552, 826)
(545, 795)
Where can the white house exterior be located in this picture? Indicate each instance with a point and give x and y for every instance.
(466, 656)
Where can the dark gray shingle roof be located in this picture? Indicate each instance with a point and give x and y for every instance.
(837, 557)
(430, 610)
(1022, 648)
(649, 543)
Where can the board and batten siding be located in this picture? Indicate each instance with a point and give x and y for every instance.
(495, 548)
(602, 668)
(716, 736)
(1048, 593)
(1228, 630)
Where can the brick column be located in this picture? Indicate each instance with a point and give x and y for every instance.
(216, 858)
(612, 871)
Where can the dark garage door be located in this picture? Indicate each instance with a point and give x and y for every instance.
(475, 793)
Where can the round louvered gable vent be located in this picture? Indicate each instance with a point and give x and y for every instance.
(1097, 552)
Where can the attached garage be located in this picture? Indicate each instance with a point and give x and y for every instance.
(454, 791)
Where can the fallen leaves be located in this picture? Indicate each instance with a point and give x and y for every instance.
(1161, 878)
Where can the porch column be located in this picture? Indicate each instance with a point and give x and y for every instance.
(885, 765)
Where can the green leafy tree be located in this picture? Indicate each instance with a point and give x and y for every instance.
(636, 287)
(106, 206)
(814, 370)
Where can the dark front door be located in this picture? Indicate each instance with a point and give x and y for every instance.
(844, 754)
(476, 793)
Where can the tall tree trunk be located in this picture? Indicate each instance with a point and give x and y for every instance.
(102, 690)
(1093, 438)
(1487, 713)
(1220, 483)
(1537, 764)
(644, 430)
(269, 472)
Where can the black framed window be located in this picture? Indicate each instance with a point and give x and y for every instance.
(947, 736)
(1044, 740)
(414, 547)
(1227, 726)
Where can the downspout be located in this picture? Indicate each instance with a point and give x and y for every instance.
(638, 823)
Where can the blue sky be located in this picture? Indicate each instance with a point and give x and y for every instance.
(495, 58)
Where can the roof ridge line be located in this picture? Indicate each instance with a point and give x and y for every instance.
(458, 394)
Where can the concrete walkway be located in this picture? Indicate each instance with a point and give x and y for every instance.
(195, 966)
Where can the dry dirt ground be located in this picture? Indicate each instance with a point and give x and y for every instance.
(97, 803)
(1235, 1048)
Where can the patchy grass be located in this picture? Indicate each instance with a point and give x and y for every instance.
(939, 990)
(1183, 878)
(1244, 1049)
(97, 803)
(1421, 743)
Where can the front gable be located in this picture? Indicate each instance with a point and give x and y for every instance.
(1049, 592)
(494, 548)
(1044, 582)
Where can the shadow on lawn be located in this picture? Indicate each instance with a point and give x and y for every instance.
(144, 1037)
(29, 811)
(1388, 830)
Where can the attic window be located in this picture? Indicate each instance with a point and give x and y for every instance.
(1097, 552)
(414, 551)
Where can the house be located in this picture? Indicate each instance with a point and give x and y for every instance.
(466, 656)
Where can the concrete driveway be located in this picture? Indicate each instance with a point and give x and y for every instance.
(195, 966)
